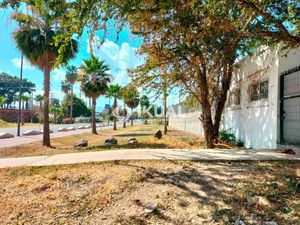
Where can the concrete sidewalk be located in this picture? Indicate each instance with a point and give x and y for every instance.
(147, 154)
(10, 142)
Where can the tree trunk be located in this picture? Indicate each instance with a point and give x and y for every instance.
(131, 117)
(206, 117)
(115, 117)
(94, 129)
(207, 124)
(22, 114)
(71, 110)
(165, 106)
(125, 115)
(46, 131)
(220, 104)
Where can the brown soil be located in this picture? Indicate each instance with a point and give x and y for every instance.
(151, 192)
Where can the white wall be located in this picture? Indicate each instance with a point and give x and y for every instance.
(255, 123)
(188, 122)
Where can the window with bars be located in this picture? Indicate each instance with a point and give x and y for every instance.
(259, 91)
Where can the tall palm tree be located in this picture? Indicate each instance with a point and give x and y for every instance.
(65, 88)
(71, 77)
(115, 92)
(95, 82)
(35, 38)
(39, 99)
(24, 99)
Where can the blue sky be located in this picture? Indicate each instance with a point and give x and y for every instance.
(119, 56)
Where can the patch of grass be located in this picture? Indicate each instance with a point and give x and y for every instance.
(4, 124)
(143, 133)
(183, 192)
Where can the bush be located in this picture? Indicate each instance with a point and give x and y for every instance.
(225, 136)
(240, 143)
(35, 119)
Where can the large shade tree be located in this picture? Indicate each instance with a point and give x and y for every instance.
(200, 41)
(94, 82)
(35, 37)
(79, 107)
(10, 85)
(114, 91)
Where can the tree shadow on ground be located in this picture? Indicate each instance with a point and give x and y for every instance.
(133, 135)
(222, 186)
(128, 146)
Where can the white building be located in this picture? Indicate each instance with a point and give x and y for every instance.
(263, 108)
(264, 102)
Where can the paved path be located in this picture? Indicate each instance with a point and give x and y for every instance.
(10, 142)
(147, 154)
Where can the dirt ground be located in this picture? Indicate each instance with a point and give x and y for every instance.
(152, 192)
(143, 133)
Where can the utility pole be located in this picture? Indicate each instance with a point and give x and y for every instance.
(20, 94)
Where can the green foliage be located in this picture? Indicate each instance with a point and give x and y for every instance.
(225, 136)
(65, 87)
(71, 75)
(57, 113)
(2, 101)
(240, 143)
(79, 107)
(36, 33)
(292, 184)
(55, 102)
(96, 77)
(131, 96)
(114, 91)
(144, 101)
(9, 87)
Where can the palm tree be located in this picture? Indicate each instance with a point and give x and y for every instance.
(39, 99)
(115, 92)
(24, 99)
(35, 38)
(94, 83)
(56, 111)
(71, 77)
(132, 99)
(65, 87)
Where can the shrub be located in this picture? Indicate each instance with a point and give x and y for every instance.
(35, 119)
(225, 136)
(240, 143)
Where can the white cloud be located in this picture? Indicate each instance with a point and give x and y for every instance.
(26, 65)
(119, 59)
(58, 75)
